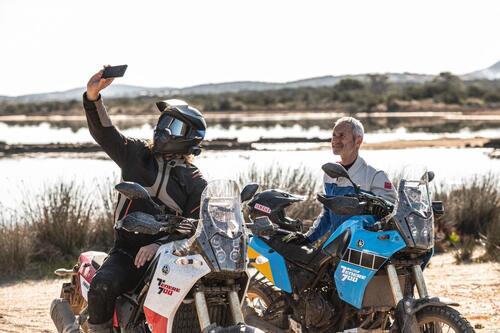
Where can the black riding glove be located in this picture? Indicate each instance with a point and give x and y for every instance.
(295, 238)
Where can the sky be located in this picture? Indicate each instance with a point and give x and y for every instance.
(57, 45)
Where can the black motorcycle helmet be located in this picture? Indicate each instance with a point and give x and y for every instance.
(180, 128)
(272, 203)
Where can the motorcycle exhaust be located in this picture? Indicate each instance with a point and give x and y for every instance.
(63, 317)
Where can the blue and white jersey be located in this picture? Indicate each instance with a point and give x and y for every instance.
(368, 178)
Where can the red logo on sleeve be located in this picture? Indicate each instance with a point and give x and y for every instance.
(387, 185)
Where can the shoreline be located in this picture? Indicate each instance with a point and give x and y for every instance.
(269, 115)
(7, 150)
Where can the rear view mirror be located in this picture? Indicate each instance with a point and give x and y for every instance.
(341, 205)
(248, 191)
(335, 170)
(135, 191)
(430, 176)
(132, 190)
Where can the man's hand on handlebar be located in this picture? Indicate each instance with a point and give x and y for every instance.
(295, 238)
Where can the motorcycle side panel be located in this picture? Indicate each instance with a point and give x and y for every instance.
(275, 268)
(87, 270)
(367, 252)
(173, 279)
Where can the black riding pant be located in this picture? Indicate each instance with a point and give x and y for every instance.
(117, 275)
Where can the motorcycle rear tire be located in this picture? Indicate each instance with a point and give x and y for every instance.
(429, 316)
(263, 293)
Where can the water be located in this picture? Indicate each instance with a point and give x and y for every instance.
(43, 133)
(24, 176)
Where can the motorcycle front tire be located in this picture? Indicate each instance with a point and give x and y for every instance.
(431, 319)
(261, 294)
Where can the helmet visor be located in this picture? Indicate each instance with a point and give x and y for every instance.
(176, 126)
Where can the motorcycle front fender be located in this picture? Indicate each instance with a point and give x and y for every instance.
(407, 309)
(172, 280)
(419, 304)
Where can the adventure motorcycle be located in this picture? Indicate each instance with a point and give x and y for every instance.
(361, 277)
(195, 284)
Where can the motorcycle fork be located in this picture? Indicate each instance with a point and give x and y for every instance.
(200, 302)
(201, 309)
(404, 313)
(418, 276)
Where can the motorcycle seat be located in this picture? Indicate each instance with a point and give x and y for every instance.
(304, 255)
(308, 256)
(98, 260)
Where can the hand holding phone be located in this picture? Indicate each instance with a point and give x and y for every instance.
(114, 71)
(102, 79)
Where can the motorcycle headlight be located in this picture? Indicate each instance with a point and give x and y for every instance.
(425, 233)
(221, 255)
(413, 227)
(235, 255)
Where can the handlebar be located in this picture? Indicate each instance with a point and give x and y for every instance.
(171, 223)
(374, 205)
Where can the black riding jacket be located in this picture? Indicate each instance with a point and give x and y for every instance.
(173, 183)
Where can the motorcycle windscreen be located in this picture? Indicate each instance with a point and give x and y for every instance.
(222, 223)
(415, 208)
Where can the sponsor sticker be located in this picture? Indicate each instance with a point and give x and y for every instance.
(263, 208)
(166, 289)
(351, 274)
(387, 185)
(165, 269)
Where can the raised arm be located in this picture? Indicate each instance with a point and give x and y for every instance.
(100, 126)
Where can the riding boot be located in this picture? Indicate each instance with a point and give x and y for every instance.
(106, 327)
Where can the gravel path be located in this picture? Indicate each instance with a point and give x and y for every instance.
(24, 307)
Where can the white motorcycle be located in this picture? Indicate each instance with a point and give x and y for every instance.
(195, 284)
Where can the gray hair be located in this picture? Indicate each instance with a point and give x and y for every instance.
(356, 125)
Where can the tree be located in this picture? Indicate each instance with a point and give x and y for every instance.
(378, 83)
(447, 88)
(348, 85)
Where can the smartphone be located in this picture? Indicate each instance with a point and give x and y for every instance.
(114, 71)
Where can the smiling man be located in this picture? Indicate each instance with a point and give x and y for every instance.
(347, 138)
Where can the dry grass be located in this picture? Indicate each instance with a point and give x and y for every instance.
(472, 212)
(62, 221)
(55, 227)
(59, 219)
(15, 245)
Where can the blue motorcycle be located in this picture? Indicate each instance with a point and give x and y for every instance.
(361, 277)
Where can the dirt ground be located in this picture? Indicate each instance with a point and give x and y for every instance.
(24, 307)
